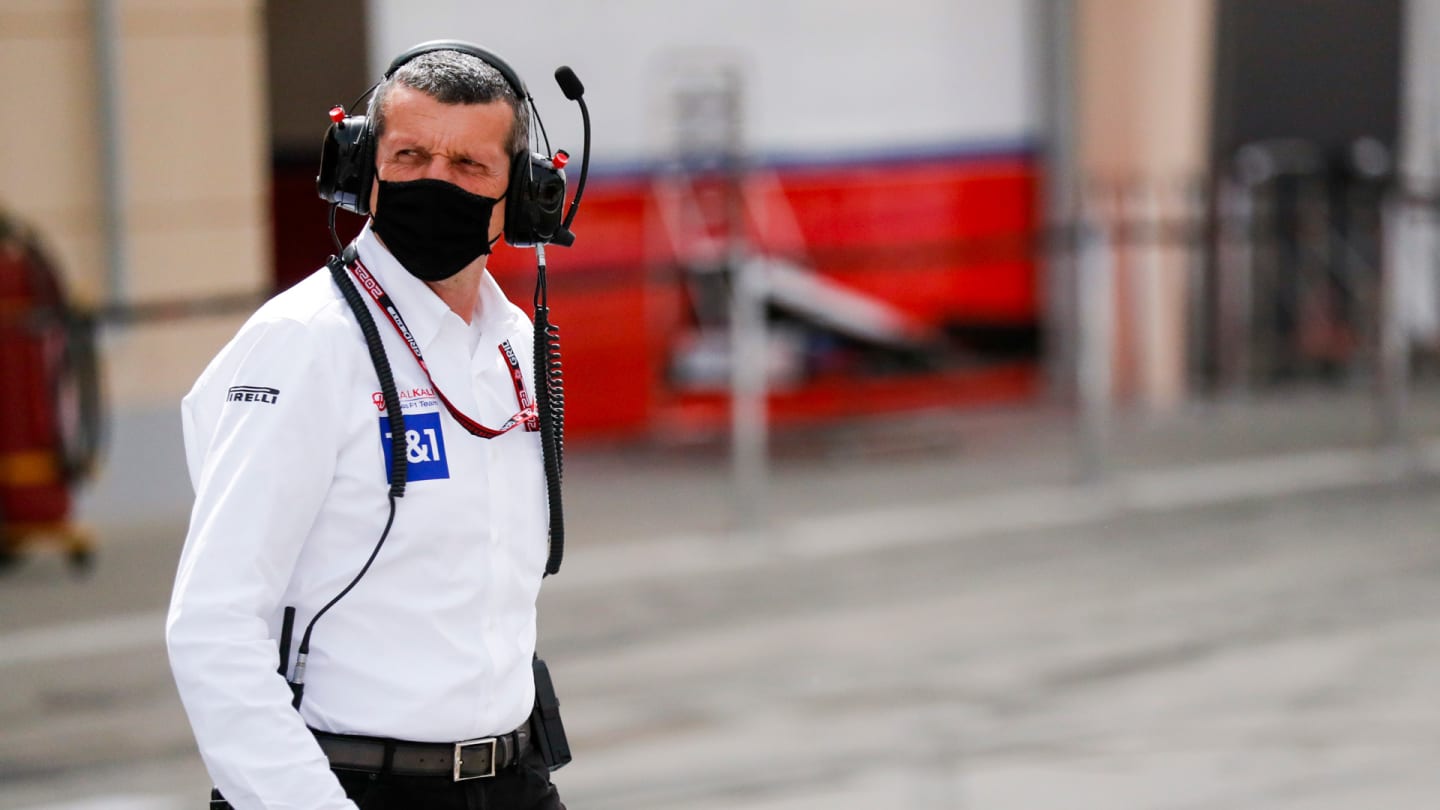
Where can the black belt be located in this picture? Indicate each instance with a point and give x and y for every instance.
(471, 759)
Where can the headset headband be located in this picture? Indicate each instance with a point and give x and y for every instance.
(347, 157)
(493, 60)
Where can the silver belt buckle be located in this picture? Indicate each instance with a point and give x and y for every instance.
(460, 757)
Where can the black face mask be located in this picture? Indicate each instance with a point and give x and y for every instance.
(433, 227)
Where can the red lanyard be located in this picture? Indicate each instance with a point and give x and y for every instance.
(526, 416)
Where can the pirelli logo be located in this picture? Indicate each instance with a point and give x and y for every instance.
(252, 393)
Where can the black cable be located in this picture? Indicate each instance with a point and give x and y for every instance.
(535, 114)
(297, 686)
(584, 165)
(398, 461)
(399, 464)
(550, 406)
(335, 237)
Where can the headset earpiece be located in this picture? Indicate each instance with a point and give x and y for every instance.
(347, 164)
(514, 192)
(536, 201)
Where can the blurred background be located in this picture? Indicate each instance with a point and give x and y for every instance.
(972, 403)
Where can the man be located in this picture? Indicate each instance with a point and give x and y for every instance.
(288, 445)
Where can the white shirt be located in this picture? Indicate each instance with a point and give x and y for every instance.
(435, 642)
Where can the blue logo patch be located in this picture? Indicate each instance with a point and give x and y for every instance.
(424, 447)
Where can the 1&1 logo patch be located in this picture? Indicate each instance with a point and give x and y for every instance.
(424, 447)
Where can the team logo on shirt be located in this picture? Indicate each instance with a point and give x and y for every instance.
(410, 399)
(252, 393)
(424, 447)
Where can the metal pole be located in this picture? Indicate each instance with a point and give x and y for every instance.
(105, 25)
(1198, 323)
(1394, 366)
(1055, 55)
(1235, 283)
(748, 340)
(1095, 313)
(1141, 215)
(749, 429)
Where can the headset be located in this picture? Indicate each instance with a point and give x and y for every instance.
(536, 194)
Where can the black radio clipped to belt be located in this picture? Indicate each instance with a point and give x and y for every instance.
(545, 726)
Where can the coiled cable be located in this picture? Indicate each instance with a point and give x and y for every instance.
(550, 406)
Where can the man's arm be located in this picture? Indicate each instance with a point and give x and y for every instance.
(262, 441)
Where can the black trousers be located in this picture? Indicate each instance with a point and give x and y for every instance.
(523, 786)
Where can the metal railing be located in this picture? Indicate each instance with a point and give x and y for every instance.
(1276, 279)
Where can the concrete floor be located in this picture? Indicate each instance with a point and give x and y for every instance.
(1241, 617)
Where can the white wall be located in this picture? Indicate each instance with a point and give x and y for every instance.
(824, 77)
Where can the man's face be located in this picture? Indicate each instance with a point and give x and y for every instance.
(463, 144)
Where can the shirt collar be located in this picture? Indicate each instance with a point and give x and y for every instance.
(498, 317)
(424, 312)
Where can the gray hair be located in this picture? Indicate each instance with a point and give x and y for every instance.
(454, 77)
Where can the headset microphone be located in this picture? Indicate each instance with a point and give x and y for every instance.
(569, 83)
(571, 86)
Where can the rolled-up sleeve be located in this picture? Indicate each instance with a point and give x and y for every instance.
(262, 440)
